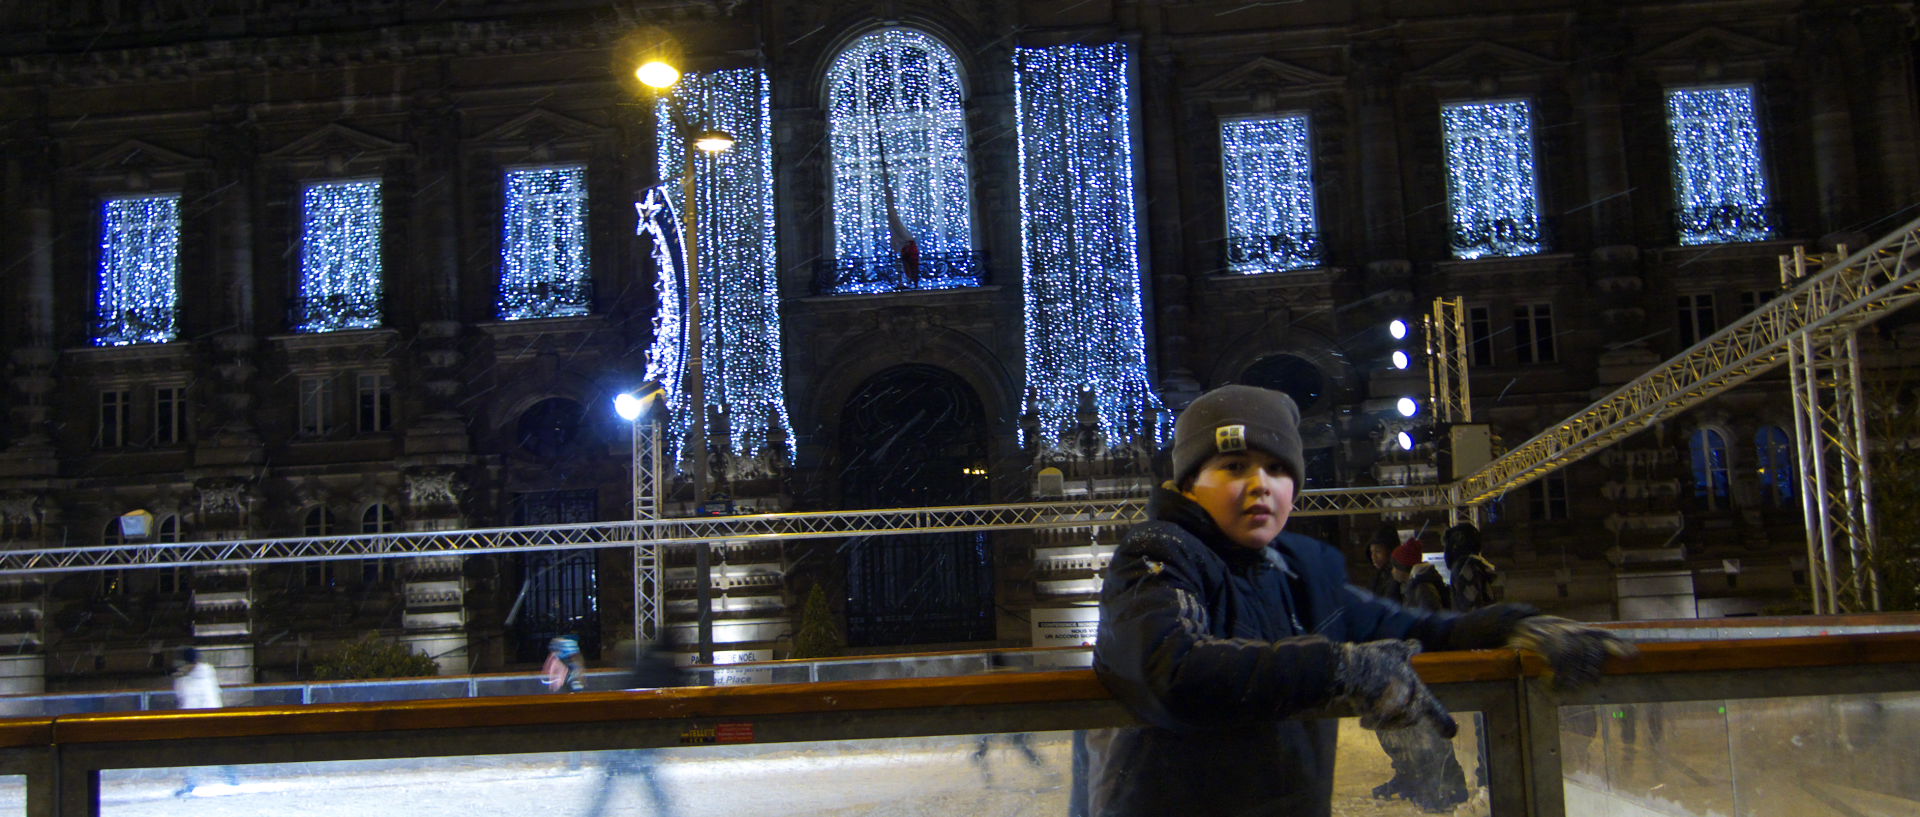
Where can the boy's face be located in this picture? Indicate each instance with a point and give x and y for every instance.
(1380, 555)
(1249, 494)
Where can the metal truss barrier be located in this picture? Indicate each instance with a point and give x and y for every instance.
(1839, 299)
(667, 532)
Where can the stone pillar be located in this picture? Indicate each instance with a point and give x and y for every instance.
(1598, 78)
(222, 599)
(434, 616)
(28, 299)
(1831, 121)
(1375, 81)
(1171, 297)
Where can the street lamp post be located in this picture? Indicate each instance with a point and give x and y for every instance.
(661, 76)
(638, 408)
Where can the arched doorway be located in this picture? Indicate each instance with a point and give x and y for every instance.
(916, 436)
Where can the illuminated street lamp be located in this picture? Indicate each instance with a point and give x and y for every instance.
(661, 76)
(644, 411)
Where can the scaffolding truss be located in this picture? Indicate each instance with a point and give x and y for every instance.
(1836, 497)
(1833, 302)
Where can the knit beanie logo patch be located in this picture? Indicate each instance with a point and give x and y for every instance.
(1230, 438)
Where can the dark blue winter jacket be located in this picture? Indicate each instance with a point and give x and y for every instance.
(1214, 645)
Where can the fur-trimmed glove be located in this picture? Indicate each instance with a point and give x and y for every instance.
(1377, 680)
(1574, 650)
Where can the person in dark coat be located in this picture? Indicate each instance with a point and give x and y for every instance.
(651, 667)
(1380, 555)
(1471, 584)
(1216, 627)
(1425, 769)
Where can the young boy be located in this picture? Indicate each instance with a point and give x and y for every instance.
(1216, 626)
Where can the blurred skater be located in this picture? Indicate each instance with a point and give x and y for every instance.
(651, 668)
(196, 687)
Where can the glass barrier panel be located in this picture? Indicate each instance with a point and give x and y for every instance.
(1001, 774)
(1411, 771)
(1848, 755)
(13, 794)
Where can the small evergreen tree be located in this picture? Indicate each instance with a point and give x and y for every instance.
(817, 636)
(373, 657)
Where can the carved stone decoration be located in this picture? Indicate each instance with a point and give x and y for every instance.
(19, 514)
(434, 491)
(223, 503)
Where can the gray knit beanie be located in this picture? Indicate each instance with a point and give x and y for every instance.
(1236, 418)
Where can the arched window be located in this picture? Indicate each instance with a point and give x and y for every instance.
(111, 535)
(1708, 450)
(1774, 454)
(169, 528)
(319, 522)
(378, 518)
(899, 140)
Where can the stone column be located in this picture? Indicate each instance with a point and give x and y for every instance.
(1598, 77)
(434, 616)
(1382, 198)
(222, 601)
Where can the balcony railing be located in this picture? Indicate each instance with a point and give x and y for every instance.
(1729, 223)
(547, 299)
(861, 276)
(332, 313)
(1499, 237)
(1248, 254)
(138, 325)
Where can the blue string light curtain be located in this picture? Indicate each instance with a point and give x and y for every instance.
(138, 298)
(543, 256)
(1719, 186)
(1268, 170)
(340, 264)
(734, 255)
(898, 135)
(1492, 188)
(1079, 248)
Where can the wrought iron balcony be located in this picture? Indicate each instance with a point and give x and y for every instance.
(157, 324)
(1727, 223)
(547, 299)
(855, 275)
(1499, 237)
(1274, 253)
(332, 313)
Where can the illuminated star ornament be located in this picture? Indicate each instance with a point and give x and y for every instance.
(1079, 251)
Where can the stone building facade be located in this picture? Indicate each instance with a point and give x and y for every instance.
(444, 415)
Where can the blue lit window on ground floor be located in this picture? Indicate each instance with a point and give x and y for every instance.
(1775, 454)
(138, 296)
(1707, 452)
(340, 262)
(1267, 169)
(543, 251)
(1719, 185)
(1492, 187)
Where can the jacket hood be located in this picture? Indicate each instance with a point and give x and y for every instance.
(1169, 505)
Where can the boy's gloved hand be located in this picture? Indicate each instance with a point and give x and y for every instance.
(1575, 651)
(1377, 679)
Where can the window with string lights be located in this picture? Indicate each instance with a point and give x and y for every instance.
(1719, 185)
(898, 132)
(340, 263)
(1080, 249)
(1493, 193)
(1268, 173)
(138, 297)
(543, 251)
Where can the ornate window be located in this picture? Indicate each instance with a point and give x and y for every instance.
(1708, 451)
(1492, 190)
(898, 130)
(138, 297)
(1268, 169)
(169, 415)
(115, 408)
(316, 406)
(1774, 452)
(340, 272)
(1694, 314)
(1533, 333)
(1079, 246)
(376, 402)
(1719, 188)
(543, 254)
